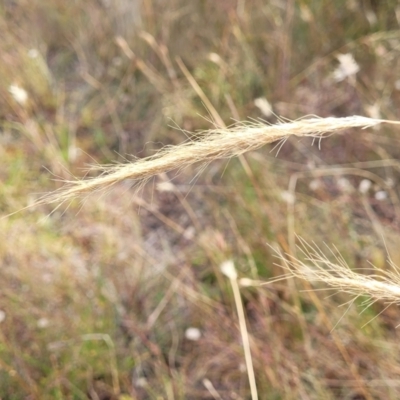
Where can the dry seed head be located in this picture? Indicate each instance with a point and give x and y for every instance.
(317, 267)
(205, 148)
(229, 270)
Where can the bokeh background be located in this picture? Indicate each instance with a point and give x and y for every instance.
(120, 296)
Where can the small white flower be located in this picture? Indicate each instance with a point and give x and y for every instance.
(288, 197)
(193, 334)
(189, 233)
(33, 53)
(228, 269)
(381, 195)
(43, 323)
(165, 186)
(264, 106)
(2, 316)
(19, 94)
(314, 185)
(364, 186)
(215, 58)
(371, 17)
(347, 67)
(141, 382)
(344, 184)
(246, 282)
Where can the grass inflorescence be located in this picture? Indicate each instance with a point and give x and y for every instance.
(128, 295)
(208, 146)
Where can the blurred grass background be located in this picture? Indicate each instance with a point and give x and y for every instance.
(97, 299)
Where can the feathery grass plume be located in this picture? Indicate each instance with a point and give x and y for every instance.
(205, 147)
(378, 284)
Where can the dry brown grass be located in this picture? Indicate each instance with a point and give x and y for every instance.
(378, 284)
(207, 147)
(97, 300)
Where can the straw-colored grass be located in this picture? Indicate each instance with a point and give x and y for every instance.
(228, 269)
(206, 147)
(230, 142)
(383, 285)
(97, 301)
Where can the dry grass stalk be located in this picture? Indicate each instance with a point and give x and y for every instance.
(228, 269)
(204, 148)
(379, 285)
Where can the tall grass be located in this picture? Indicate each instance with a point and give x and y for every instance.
(228, 143)
(121, 296)
(209, 146)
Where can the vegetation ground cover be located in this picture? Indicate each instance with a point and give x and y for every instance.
(121, 296)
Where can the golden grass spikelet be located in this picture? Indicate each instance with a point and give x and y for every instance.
(204, 148)
(379, 284)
